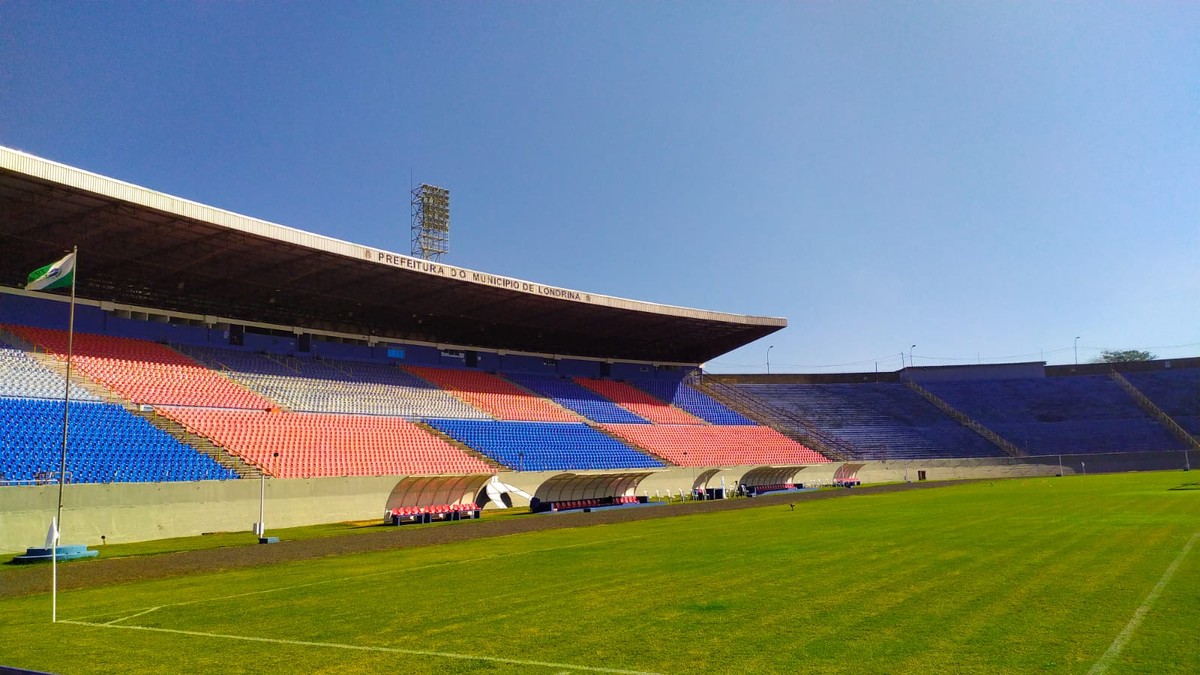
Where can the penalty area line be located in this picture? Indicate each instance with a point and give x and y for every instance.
(366, 648)
(1130, 628)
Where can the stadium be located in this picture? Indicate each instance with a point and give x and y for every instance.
(227, 373)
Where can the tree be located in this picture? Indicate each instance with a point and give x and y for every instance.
(1123, 355)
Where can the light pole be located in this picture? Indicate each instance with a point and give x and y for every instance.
(769, 358)
(910, 361)
(1076, 350)
(692, 486)
(262, 498)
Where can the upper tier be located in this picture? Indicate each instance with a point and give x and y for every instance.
(175, 254)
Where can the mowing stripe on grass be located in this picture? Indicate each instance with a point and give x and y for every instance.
(368, 575)
(1140, 613)
(366, 648)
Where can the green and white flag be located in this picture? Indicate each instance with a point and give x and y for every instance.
(52, 276)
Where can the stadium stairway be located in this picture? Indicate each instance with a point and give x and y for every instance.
(962, 418)
(496, 396)
(1154, 411)
(200, 444)
(785, 422)
(468, 450)
(629, 442)
(228, 373)
(59, 367)
(641, 403)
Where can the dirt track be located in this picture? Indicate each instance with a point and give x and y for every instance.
(24, 580)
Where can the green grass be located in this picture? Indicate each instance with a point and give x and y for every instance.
(217, 540)
(1028, 575)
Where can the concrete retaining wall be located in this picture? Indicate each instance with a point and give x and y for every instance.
(128, 512)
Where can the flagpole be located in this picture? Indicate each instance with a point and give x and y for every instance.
(62, 466)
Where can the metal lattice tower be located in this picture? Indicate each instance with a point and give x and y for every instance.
(430, 222)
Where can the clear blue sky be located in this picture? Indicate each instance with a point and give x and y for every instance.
(986, 180)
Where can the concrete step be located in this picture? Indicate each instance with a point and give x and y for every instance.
(201, 444)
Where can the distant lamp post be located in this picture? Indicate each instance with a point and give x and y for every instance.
(910, 361)
(1076, 350)
(262, 495)
(769, 358)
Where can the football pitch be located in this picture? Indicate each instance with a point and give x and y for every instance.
(1080, 574)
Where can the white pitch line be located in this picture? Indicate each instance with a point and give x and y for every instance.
(367, 648)
(132, 616)
(368, 575)
(1140, 613)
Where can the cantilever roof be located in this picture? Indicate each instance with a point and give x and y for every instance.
(146, 248)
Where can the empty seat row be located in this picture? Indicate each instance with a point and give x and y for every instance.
(572, 395)
(496, 396)
(697, 403)
(1051, 415)
(105, 443)
(300, 445)
(879, 420)
(145, 372)
(434, 508)
(715, 445)
(22, 376)
(639, 402)
(577, 504)
(545, 446)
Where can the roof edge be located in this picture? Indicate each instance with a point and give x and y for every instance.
(55, 172)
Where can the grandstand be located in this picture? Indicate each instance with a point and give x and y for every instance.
(439, 384)
(879, 420)
(1085, 413)
(1175, 391)
(1012, 410)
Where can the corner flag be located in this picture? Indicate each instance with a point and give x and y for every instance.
(52, 276)
(52, 534)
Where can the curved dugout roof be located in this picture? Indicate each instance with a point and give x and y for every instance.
(145, 248)
(566, 486)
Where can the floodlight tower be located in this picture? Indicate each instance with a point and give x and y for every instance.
(430, 222)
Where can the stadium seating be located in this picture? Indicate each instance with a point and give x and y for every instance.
(699, 404)
(545, 446)
(21, 376)
(639, 402)
(880, 420)
(573, 504)
(499, 398)
(753, 490)
(105, 444)
(1176, 392)
(1059, 415)
(716, 445)
(145, 372)
(426, 514)
(574, 396)
(333, 386)
(314, 445)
